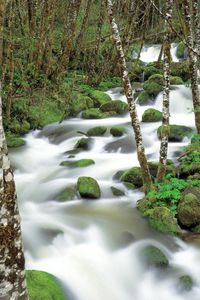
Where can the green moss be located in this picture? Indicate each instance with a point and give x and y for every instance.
(88, 187)
(14, 140)
(67, 194)
(177, 132)
(176, 80)
(133, 176)
(99, 97)
(136, 69)
(143, 98)
(154, 257)
(151, 115)
(157, 78)
(17, 127)
(43, 286)
(83, 143)
(186, 283)
(118, 175)
(152, 88)
(195, 139)
(79, 103)
(118, 106)
(95, 113)
(78, 163)
(116, 192)
(97, 131)
(117, 131)
(151, 70)
(180, 50)
(180, 69)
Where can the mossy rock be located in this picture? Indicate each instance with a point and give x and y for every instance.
(88, 187)
(143, 98)
(189, 208)
(117, 192)
(157, 78)
(145, 204)
(180, 50)
(176, 80)
(152, 88)
(176, 132)
(79, 103)
(136, 70)
(152, 115)
(162, 219)
(196, 229)
(129, 185)
(14, 140)
(154, 257)
(153, 168)
(81, 163)
(185, 283)
(99, 98)
(180, 69)
(19, 127)
(43, 286)
(151, 70)
(84, 143)
(118, 175)
(67, 194)
(97, 131)
(117, 131)
(95, 113)
(133, 176)
(118, 106)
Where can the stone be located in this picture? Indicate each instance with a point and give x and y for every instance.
(154, 257)
(68, 193)
(143, 98)
(176, 132)
(97, 131)
(118, 106)
(117, 131)
(116, 192)
(81, 163)
(88, 187)
(99, 97)
(133, 176)
(84, 143)
(152, 115)
(95, 113)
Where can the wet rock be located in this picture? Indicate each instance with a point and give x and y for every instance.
(153, 168)
(95, 113)
(116, 192)
(68, 193)
(117, 131)
(129, 185)
(162, 219)
(118, 175)
(124, 145)
(185, 283)
(88, 187)
(143, 98)
(79, 103)
(154, 257)
(99, 98)
(180, 50)
(152, 115)
(42, 285)
(176, 132)
(133, 176)
(81, 163)
(97, 131)
(118, 106)
(152, 88)
(189, 208)
(84, 143)
(180, 69)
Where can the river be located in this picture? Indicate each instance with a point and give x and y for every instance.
(94, 247)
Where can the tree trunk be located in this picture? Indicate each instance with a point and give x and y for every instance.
(166, 92)
(147, 181)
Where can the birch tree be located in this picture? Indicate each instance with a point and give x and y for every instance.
(147, 181)
(166, 92)
(12, 272)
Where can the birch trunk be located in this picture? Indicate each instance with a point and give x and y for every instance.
(193, 63)
(147, 181)
(166, 92)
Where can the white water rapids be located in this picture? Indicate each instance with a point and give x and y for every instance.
(92, 246)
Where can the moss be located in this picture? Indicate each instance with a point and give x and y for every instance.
(133, 176)
(99, 97)
(77, 163)
(136, 70)
(180, 50)
(180, 69)
(14, 140)
(129, 185)
(95, 113)
(154, 257)
(158, 78)
(117, 131)
(151, 115)
(43, 286)
(118, 106)
(67, 194)
(177, 132)
(152, 88)
(118, 175)
(195, 139)
(79, 103)
(143, 98)
(151, 70)
(186, 283)
(88, 187)
(83, 143)
(97, 131)
(153, 168)
(176, 80)
(116, 192)
(162, 219)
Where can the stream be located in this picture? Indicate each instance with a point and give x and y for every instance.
(94, 246)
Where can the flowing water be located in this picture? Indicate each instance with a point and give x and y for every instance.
(93, 247)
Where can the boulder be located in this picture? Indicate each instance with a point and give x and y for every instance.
(118, 106)
(83, 143)
(79, 103)
(152, 88)
(153, 168)
(176, 132)
(44, 286)
(143, 98)
(133, 176)
(180, 69)
(14, 140)
(189, 208)
(185, 283)
(117, 131)
(190, 164)
(116, 192)
(88, 187)
(154, 257)
(97, 131)
(151, 115)
(151, 70)
(81, 163)
(68, 193)
(99, 97)
(95, 113)
(176, 80)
